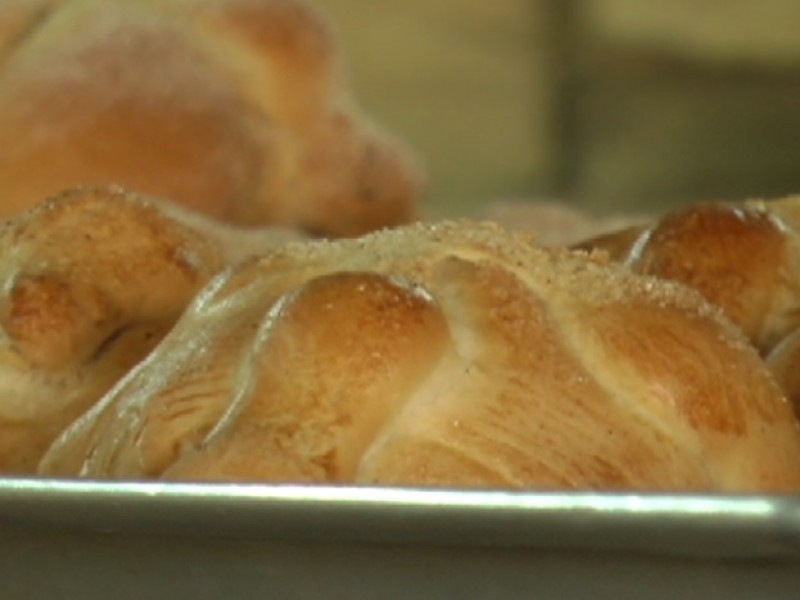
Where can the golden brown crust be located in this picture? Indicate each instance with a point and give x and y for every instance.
(92, 280)
(734, 256)
(236, 108)
(449, 354)
(741, 257)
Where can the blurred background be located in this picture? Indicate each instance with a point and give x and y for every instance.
(613, 105)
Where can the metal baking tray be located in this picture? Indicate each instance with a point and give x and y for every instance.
(144, 540)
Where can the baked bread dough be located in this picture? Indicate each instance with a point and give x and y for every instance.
(239, 109)
(743, 257)
(449, 354)
(91, 281)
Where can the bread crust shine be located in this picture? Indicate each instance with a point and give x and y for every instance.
(450, 354)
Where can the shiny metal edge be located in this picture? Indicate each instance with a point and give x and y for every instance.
(749, 527)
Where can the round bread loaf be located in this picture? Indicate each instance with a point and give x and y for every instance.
(447, 355)
(237, 108)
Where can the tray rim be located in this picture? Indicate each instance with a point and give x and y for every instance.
(688, 525)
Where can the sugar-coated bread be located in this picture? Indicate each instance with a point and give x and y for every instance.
(91, 281)
(237, 108)
(447, 355)
(743, 257)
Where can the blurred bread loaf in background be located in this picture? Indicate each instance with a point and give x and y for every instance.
(240, 109)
